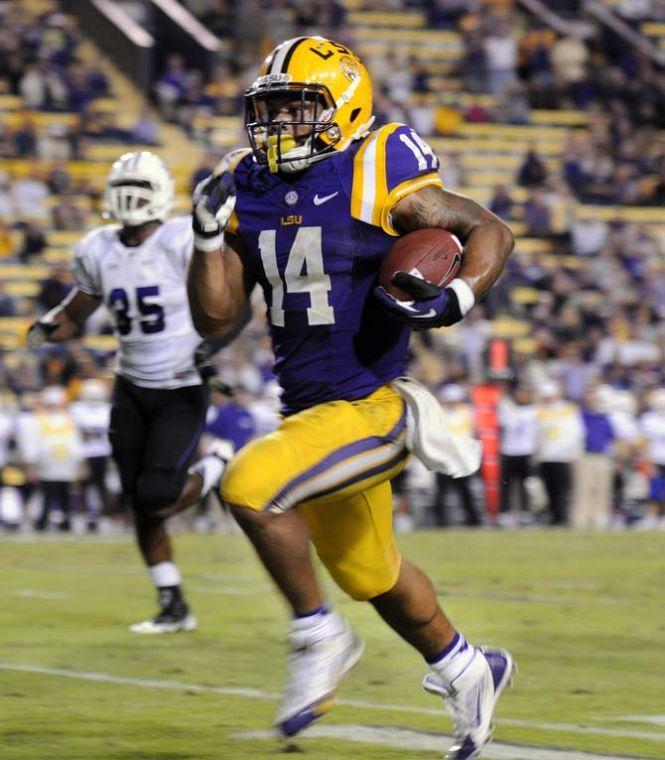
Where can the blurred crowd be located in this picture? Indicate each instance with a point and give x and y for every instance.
(596, 463)
(42, 62)
(584, 315)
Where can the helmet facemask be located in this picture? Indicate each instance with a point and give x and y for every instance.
(304, 133)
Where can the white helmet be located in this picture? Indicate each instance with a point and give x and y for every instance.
(139, 189)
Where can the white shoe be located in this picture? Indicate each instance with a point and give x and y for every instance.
(320, 657)
(472, 697)
(167, 621)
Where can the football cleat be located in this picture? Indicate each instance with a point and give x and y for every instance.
(471, 699)
(318, 661)
(171, 619)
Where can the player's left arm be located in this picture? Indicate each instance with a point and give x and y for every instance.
(487, 240)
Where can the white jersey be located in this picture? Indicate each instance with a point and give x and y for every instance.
(652, 425)
(51, 443)
(92, 418)
(144, 288)
(519, 428)
(560, 432)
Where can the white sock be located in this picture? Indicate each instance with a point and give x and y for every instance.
(165, 574)
(210, 468)
(454, 659)
(324, 619)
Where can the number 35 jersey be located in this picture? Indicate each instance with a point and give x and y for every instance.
(314, 242)
(144, 289)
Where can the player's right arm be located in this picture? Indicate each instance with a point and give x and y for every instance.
(63, 322)
(218, 283)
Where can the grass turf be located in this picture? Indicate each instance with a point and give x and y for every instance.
(582, 614)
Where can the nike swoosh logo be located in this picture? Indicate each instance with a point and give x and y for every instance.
(318, 201)
(430, 313)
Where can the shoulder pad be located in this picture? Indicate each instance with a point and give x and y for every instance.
(392, 162)
(231, 160)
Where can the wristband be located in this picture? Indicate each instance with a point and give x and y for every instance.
(464, 294)
(207, 244)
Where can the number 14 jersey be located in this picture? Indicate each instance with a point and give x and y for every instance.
(314, 242)
(144, 289)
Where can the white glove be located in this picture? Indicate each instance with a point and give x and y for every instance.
(39, 332)
(214, 201)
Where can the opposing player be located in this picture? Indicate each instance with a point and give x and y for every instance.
(319, 200)
(137, 269)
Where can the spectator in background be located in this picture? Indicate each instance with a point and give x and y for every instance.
(59, 178)
(652, 427)
(532, 172)
(537, 215)
(588, 236)
(67, 215)
(171, 85)
(474, 71)
(25, 137)
(145, 129)
(569, 58)
(459, 417)
(92, 415)
(575, 371)
(54, 288)
(50, 447)
(593, 470)
(500, 47)
(502, 203)
(560, 437)
(421, 115)
(513, 106)
(519, 438)
(31, 195)
(230, 418)
(33, 242)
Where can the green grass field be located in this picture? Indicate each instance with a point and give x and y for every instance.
(583, 615)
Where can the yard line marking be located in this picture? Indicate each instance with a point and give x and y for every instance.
(420, 740)
(653, 720)
(361, 704)
(39, 594)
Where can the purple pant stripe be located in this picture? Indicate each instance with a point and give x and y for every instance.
(190, 447)
(345, 452)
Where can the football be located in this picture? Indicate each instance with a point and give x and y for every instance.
(432, 254)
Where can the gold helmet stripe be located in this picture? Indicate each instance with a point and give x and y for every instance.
(283, 55)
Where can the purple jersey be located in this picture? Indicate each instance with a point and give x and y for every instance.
(315, 242)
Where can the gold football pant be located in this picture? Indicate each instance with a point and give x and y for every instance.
(334, 462)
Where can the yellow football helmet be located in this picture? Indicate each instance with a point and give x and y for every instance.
(312, 97)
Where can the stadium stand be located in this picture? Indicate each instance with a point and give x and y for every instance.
(562, 135)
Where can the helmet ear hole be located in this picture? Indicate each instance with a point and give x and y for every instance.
(354, 114)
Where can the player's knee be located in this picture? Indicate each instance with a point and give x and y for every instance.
(156, 491)
(364, 584)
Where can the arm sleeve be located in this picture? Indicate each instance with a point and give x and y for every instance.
(85, 273)
(393, 162)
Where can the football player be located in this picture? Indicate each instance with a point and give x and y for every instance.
(137, 269)
(308, 212)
